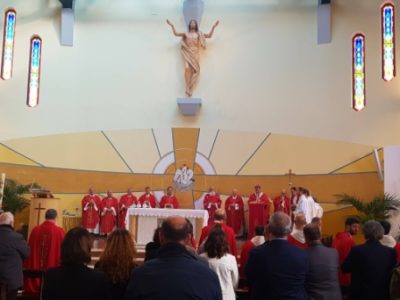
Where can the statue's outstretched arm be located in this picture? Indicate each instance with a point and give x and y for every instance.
(174, 31)
(210, 34)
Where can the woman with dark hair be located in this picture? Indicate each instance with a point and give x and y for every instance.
(117, 261)
(222, 262)
(73, 279)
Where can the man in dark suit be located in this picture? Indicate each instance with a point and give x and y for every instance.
(370, 265)
(175, 273)
(277, 270)
(13, 250)
(322, 282)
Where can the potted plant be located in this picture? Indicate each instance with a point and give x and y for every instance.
(13, 196)
(378, 209)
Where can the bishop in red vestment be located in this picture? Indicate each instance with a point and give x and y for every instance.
(91, 212)
(282, 203)
(234, 208)
(259, 207)
(211, 203)
(45, 243)
(169, 200)
(126, 201)
(109, 209)
(147, 200)
(220, 218)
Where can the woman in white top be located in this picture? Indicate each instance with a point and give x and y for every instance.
(223, 263)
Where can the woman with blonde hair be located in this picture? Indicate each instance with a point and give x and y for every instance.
(117, 261)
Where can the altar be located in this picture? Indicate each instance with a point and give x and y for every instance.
(141, 222)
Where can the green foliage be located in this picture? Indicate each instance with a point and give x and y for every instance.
(378, 209)
(13, 198)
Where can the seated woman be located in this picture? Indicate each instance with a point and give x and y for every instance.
(73, 279)
(224, 264)
(117, 261)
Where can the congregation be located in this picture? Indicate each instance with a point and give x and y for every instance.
(280, 260)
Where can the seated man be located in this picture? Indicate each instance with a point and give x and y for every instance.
(175, 273)
(169, 200)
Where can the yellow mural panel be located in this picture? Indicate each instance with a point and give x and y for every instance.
(9, 156)
(365, 164)
(232, 149)
(302, 155)
(84, 151)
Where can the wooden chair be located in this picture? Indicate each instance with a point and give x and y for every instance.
(32, 274)
(3, 291)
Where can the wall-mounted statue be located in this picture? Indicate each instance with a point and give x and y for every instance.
(190, 48)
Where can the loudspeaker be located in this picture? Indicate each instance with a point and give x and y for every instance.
(378, 164)
(320, 2)
(67, 3)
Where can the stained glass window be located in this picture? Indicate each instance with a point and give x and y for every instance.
(8, 44)
(34, 71)
(358, 72)
(388, 42)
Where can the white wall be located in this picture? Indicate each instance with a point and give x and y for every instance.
(392, 180)
(263, 70)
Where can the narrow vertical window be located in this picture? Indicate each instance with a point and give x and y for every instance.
(8, 44)
(34, 71)
(388, 42)
(359, 72)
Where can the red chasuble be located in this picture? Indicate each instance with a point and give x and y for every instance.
(211, 203)
(109, 209)
(125, 202)
(258, 212)
(282, 203)
(169, 202)
(343, 243)
(229, 233)
(91, 211)
(235, 213)
(45, 244)
(147, 201)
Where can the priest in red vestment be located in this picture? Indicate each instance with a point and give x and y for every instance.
(147, 200)
(255, 241)
(91, 211)
(169, 200)
(259, 209)
(220, 218)
(282, 203)
(109, 209)
(234, 208)
(296, 237)
(343, 242)
(211, 203)
(45, 243)
(126, 201)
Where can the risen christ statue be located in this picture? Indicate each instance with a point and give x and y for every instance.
(190, 48)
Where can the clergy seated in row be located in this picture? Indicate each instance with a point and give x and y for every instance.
(45, 244)
(257, 240)
(211, 203)
(234, 208)
(220, 218)
(296, 237)
(169, 200)
(259, 209)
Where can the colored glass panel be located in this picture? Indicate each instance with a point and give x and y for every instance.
(34, 71)
(359, 72)
(388, 42)
(8, 44)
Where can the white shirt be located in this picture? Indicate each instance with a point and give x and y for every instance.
(228, 274)
(306, 205)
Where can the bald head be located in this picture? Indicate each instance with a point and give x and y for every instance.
(7, 218)
(174, 230)
(300, 221)
(219, 215)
